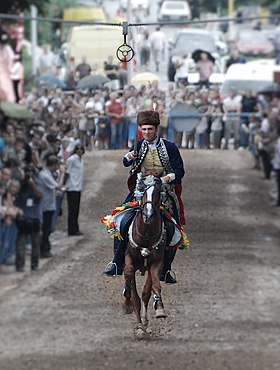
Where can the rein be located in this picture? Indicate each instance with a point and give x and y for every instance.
(154, 246)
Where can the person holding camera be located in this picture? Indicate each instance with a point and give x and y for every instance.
(29, 223)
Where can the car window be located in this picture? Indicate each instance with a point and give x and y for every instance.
(174, 5)
(191, 42)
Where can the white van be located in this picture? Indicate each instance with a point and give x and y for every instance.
(96, 42)
(257, 76)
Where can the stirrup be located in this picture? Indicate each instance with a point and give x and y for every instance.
(109, 266)
(172, 275)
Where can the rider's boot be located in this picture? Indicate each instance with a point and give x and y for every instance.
(115, 267)
(167, 274)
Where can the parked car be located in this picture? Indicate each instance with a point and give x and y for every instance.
(174, 11)
(187, 41)
(254, 43)
(257, 76)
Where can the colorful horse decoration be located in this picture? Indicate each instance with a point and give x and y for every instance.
(147, 242)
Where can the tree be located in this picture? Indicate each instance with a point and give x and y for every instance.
(17, 6)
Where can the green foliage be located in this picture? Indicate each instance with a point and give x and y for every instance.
(17, 6)
(274, 5)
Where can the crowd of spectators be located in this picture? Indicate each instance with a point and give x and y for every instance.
(34, 149)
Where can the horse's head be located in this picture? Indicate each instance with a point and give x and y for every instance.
(151, 199)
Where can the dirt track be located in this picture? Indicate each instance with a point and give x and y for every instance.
(223, 313)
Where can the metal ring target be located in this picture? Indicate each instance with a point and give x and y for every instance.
(125, 53)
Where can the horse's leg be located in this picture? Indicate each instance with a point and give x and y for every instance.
(132, 297)
(146, 295)
(127, 305)
(156, 288)
(131, 294)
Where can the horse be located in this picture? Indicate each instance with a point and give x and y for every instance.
(145, 252)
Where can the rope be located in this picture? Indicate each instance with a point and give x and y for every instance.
(121, 24)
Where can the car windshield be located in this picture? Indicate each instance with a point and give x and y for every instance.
(190, 42)
(175, 5)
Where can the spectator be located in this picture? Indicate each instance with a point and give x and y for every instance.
(216, 126)
(74, 187)
(182, 66)
(83, 69)
(111, 70)
(131, 114)
(254, 126)
(145, 50)
(158, 45)
(49, 186)
(29, 223)
(8, 224)
(205, 67)
(265, 146)
(235, 58)
(6, 63)
(248, 105)
(276, 165)
(114, 111)
(17, 77)
(46, 63)
(232, 108)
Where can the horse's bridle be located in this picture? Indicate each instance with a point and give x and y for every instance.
(160, 237)
(142, 206)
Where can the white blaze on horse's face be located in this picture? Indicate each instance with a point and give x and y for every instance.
(149, 206)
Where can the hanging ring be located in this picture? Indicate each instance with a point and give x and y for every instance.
(125, 53)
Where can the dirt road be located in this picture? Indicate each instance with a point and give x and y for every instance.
(223, 313)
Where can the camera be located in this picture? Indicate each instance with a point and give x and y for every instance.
(28, 173)
(26, 176)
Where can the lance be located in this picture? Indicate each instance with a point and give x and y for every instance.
(135, 140)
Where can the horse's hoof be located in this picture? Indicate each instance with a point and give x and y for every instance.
(145, 322)
(127, 309)
(140, 332)
(161, 313)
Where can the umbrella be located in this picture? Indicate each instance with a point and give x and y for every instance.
(91, 82)
(51, 80)
(144, 77)
(181, 123)
(15, 110)
(196, 55)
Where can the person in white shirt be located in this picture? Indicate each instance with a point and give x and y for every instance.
(232, 109)
(183, 65)
(47, 62)
(74, 187)
(158, 44)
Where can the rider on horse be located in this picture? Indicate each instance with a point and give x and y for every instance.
(153, 156)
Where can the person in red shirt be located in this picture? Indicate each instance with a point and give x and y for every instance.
(114, 110)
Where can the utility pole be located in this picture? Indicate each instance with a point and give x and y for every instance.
(129, 64)
(34, 37)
